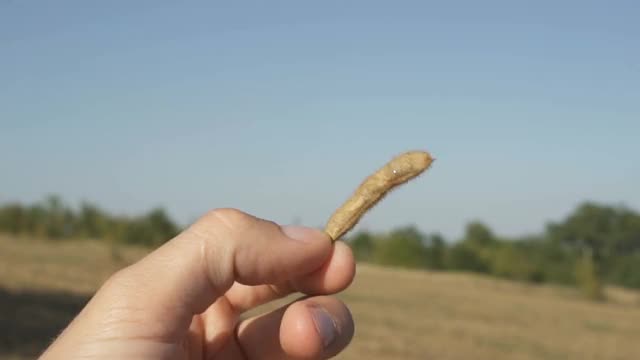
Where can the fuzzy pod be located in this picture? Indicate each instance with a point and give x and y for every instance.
(398, 171)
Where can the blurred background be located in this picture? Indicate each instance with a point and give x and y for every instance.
(122, 122)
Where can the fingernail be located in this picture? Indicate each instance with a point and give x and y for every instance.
(325, 325)
(299, 233)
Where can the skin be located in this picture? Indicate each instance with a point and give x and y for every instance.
(184, 300)
(398, 171)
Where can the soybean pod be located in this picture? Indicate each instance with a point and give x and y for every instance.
(398, 171)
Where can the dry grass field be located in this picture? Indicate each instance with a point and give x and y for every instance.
(399, 314)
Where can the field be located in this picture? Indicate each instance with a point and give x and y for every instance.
(399, 314)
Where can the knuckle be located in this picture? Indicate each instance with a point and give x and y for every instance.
(119, 280)
(238, 222)
(230, 218)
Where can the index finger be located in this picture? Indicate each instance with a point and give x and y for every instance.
(335, 275)
(186, 275)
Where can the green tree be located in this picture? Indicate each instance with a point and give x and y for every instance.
(463, 257)
(55, 217)
(479, 235)
(474, 251)
(554, 262)
(92, 222)
(13, 219)
(163, 227)
(403, 247)
(37, 221)
(625, 270)
(510, 262)
(604, 231)
(436, 249)
(362, 245)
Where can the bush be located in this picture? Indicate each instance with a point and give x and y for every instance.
(508, 262)
(588, 279)
(463, 257)
(625, 271)
(403, 247)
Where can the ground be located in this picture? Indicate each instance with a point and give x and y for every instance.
(399, 314)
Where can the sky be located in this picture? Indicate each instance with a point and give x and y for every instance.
(280, 109)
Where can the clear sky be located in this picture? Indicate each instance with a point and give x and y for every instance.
(281, 108)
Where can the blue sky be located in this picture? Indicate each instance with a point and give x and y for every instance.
(281, 108)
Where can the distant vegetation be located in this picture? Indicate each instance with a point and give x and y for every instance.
(595, 244)
(55, 220)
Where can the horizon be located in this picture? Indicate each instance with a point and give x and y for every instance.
(75, 208)
(281, 111)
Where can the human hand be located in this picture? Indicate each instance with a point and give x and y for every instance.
(184, 300)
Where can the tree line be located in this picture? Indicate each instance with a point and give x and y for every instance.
(595, 244)
(53, 219)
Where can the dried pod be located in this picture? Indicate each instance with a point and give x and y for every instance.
(398, 171)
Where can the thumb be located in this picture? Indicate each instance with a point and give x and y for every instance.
(188, 273)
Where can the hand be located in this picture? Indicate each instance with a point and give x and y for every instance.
(184, 300)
